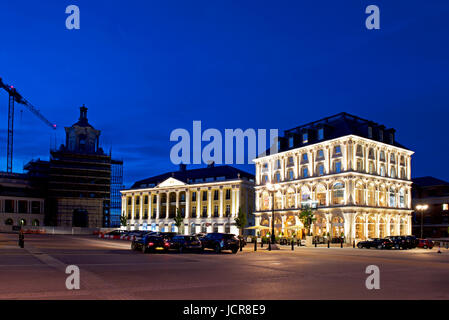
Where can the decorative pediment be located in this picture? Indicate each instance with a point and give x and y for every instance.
(171, 182)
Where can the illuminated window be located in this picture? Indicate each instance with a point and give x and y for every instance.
(305, 138)
(304, 158)
(320, 154)
(338, 193)
(445, 206)
(337, 167)
(320, 134)
(337, 150)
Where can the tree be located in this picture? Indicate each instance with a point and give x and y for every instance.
(179, 220)
(307, 217)
(240, 221)
(123, 220)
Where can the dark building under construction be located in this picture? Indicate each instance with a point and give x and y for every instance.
(77, 178)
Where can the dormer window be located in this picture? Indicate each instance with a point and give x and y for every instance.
(381, 135)
(391, 138)
(290, 142)
(305, 137)
(370, 132)
(320, 133)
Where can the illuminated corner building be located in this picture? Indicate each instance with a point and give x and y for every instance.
(208, 198)
(78, 178)
(353, 170)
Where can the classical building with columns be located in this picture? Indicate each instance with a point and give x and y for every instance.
(352, 171)
(208, 199)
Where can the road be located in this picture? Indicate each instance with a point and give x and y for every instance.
(110, 270)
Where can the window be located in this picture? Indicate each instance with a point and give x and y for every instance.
(393, 172)
(359, 151)
(337, 150)
(146, 200)
(372, 169)
(194, 196)
(392, 198)
(278, 164)
(137, 200)
(320, 134)
(359, 165)
(9, 222)
(391, 138)
(290, 161)
(382, 170)
(337, 167)
(381, 135)
(445, 206)
(321, 195)
(290, 142)
(277, 177)
(305, 172)
(204, 211)
(338, 193)
(401, 198)
(264, 179)
(304, 158)
(291, 175)
(215, 194)
(155, 199)
(370, 132)
(320, 170)
(215, 211)
(305, 138)
(129, 201)
(23, 206)
(9, 206)
(228, 192)
(279, 144)
(228, 210)
(320, 154)
(204, 195)
(371, 154)
(35, 207)
(392, 158)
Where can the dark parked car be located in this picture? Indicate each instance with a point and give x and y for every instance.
(425, 244)
(220, 241)
(398, 242)
(186, 243)
(150, 243)
(411, 242)
(375, 243)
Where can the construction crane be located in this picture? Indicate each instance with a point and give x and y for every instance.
(15, 96)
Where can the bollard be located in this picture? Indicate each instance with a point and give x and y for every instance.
(315, 244)
(293, 244)
(353, 244)
(261, 243)
(269, 245)
(298, 243)
(241, 244)
(21, 239)
(341, 243)
(255, 245)
(328, 243)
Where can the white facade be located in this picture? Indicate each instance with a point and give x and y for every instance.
(362, 186)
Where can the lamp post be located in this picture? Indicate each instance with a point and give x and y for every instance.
(422, 208)
(272, 188)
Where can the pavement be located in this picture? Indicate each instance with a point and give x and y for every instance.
(110, 270)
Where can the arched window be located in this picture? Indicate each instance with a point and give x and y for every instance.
(278, 200)
(290, 201)
(359, 194)
(22, 222)
(338, 193)
(382, 229)
(215, 227)
(359, 227)
(401, 198)
(321, 195)
(393, 172)
(203, 228)
(265, 205)
(264, 179)
(9, 222)
(305, 193)
(371, 227)
(35, 223)
(192, 228)
(392, 198)
(371, 195)
(277, 177)
(227, 228)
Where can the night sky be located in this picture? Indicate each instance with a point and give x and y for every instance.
(144, 68)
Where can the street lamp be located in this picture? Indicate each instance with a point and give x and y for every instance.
(422, 208)
(272, 188)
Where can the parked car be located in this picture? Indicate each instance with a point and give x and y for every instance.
(425, 243)
(411, 242)
(150, 243)
(186, 243)
(220, 241)
(375, 243)
(115, 233)
(398, 242)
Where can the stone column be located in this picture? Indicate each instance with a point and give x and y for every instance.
(150, 205)
(158, 205)
(133, 213)
(188, 203)
(177, 202)
(141, 207)
(167, 205)
(221, 203)
(198, 203)
(209, 203)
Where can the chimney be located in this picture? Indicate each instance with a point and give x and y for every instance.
(83, 113)
(182, 167)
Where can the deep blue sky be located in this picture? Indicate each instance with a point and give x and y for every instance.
(144, 68)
